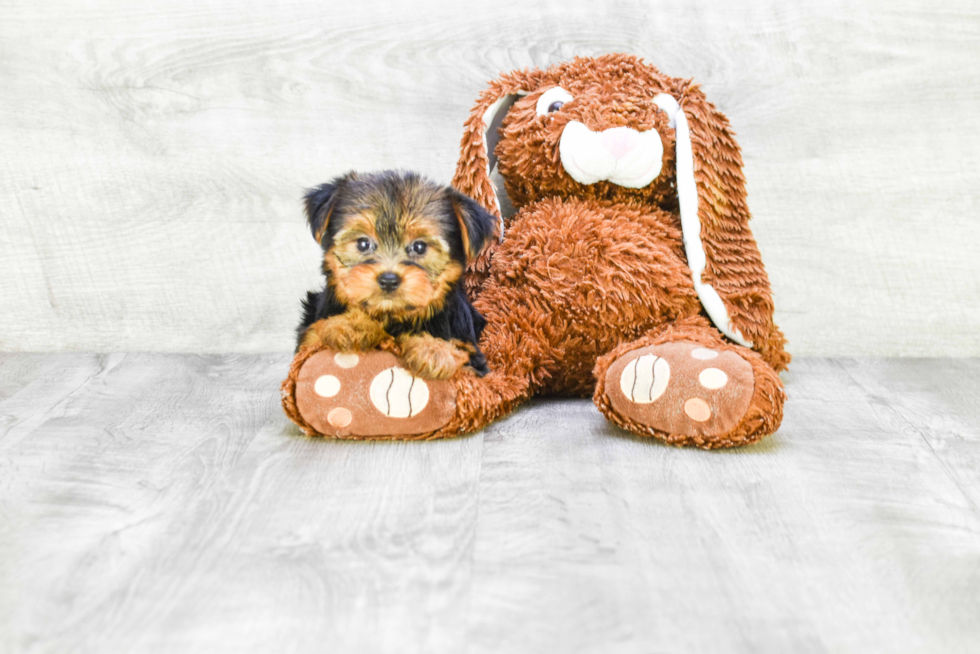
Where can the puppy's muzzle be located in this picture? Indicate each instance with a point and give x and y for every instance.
(389, 281)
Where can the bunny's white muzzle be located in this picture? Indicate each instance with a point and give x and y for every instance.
(620, 155)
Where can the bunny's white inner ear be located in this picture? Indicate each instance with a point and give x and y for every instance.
(687, 198)
(492, 119)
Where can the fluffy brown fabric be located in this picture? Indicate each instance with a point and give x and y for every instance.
(586, 271)
(616, 90)
(586, 274)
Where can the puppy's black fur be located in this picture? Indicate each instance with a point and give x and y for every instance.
(327, 208)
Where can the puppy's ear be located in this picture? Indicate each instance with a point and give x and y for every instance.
(320, 204)
(476, 224)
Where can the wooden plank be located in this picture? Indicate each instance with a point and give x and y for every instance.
(154, 158)
(843, 532)
(937, 400)
(169, 506)
(32, 386)
(163, 503)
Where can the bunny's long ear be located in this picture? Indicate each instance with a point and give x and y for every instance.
(480, 137)
(477, 158)
(726, 267)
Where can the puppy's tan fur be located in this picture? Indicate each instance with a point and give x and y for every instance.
(352, 331)
(407, 227)
(356, 331)
(433, 358)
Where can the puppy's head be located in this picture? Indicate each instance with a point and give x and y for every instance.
(395, 243)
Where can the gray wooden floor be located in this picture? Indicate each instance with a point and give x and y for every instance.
(163, 503)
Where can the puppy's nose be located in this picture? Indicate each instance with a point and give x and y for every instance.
(389, 281)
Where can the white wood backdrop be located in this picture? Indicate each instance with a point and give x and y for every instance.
(154, 154)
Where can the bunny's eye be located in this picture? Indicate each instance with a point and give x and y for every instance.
(552, 100)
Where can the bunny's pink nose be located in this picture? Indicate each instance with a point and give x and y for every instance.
(619, 140)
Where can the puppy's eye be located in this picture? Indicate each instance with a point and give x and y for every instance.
(363, 245)
(552, 100)
(418, 247)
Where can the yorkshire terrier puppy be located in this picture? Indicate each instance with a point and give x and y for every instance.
(395, 246)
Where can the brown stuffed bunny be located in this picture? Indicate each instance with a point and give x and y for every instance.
(628, 271)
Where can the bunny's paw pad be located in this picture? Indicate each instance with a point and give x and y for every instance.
(370, 395)
(681, 388)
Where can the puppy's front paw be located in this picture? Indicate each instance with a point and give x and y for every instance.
(349, 332)
(430, 357)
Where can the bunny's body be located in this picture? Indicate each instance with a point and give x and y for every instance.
(573, 279)
(628, 271)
